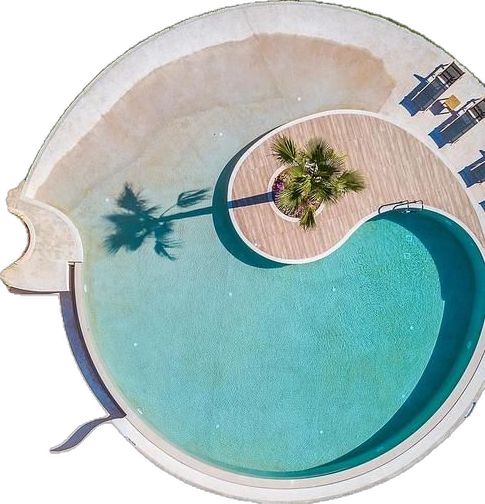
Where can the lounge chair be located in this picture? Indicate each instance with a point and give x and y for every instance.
(422, 98)
(463, 123)
(478, 173)
(474, 173)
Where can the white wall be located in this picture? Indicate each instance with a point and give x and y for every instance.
(49, 50)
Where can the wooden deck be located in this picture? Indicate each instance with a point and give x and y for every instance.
(395, 164)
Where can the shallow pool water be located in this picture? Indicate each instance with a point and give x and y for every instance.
(281, 370)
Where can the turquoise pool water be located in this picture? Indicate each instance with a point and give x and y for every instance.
(282, 371)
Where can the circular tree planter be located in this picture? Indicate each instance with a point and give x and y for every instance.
(271, 189)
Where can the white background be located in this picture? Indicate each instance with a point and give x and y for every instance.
(49, 51)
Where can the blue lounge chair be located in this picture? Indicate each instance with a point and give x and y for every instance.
(454, 130)
(424, 95)
(474, 173)
(478, 173)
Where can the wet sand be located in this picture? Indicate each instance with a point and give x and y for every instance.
(169, 120)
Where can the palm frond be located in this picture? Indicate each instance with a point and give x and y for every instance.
(284, 150)
(296, 192)
(302, 185)
(289, 199)
(132, 201)
(189, 198)
(318, 151)
(307, 220)
(297, 170)
(326, 159)
(349, 181)
(334, 166)
(324, 192)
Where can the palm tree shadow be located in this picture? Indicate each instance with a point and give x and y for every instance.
(135, 222)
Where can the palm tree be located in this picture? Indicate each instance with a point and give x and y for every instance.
(315, 174)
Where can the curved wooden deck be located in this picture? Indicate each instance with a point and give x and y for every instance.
(396, 165)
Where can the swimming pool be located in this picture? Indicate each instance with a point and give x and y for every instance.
(288, 381)
(286, 371)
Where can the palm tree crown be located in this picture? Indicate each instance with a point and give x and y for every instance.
(315, 174)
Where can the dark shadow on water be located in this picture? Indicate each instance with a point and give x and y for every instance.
(222, 222)
(458, 261)
(135, 221)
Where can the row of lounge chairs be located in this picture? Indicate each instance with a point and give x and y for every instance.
(427, 94)
(429, 91)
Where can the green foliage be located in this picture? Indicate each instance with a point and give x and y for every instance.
(316, 175)
(284, 149)
(307, 220)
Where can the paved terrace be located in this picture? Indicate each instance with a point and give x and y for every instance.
(395, 164)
